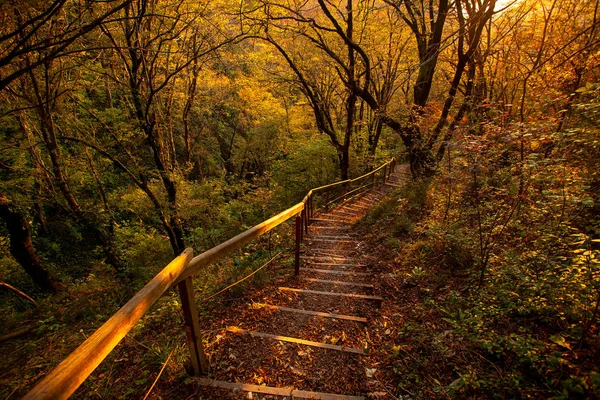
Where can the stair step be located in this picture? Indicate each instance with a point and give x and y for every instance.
(341, 213)
(275, 391)
(346, 237)
(234, 329)
(320, 292)
(337, 265)
(315, 313)
(317, 239)
(334, 272)
(341, 283)
(313, 257)
(326, 252)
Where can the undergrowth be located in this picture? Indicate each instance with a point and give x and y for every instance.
(498, 293)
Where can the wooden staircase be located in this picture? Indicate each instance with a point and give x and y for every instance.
(310, 338)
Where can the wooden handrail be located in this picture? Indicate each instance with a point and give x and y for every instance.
(70, 373)
(61, 382)
(238, 241)
(329, 186)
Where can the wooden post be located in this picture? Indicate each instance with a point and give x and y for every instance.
(301, 225)
(192, 327)
(298, 239)
(373, 179)
(384, 173)
(305, 211)
(312, 210)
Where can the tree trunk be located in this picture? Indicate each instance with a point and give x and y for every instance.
(22, 248)
(344, 163)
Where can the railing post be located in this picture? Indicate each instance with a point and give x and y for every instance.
(306, 218)
(303, 221)
(298, 240)
(192, 326)
(384, 173)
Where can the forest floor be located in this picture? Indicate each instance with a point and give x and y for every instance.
(362, 334)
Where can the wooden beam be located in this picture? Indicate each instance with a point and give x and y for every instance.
(274, 391)
(303, 394)
(316, 239)
(315, 313)
(325, 252)
(341, 283)
(334, 272)
(339, 221)
(343, 237)
(192, 326)
(288, 339)
(321, 254)
(297, 245)
(326, 227)
(341, 213)
(337, 265)
(319, 292)
(245, 387)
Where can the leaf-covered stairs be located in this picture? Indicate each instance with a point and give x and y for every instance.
(310, 338)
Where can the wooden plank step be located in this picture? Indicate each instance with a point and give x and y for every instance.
(346, 237)
(357, 208)
(351, 295)
(337, 265)
(366, 205)
(244, 387)
(275, 391)
(339, 221)
(315, 239)
(326, 249)
(234, 329)
(319, 252)
(321, 255)
(341, 283)
(334, 272)
(315, 313)
(303, 394)
(341, 213)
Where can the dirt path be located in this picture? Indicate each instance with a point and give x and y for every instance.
(328, 309)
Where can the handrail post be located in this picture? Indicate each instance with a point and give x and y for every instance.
(192, 326)
(302, 225)
(384, 173)
(297, 249)
(305, 218)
